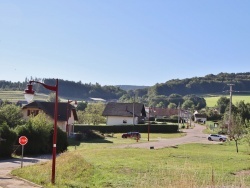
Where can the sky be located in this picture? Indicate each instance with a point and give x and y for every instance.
(129, 42)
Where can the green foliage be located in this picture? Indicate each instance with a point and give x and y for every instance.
(223, 103)
(188, 104)
(11, 114)
(81, 106)
(172, 106)
(92, 114)
(39, 131)
(9, 137)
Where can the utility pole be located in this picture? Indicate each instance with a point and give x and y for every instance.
(178, 116)
(134, 110)
(230, 108)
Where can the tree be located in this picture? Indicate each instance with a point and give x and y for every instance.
(244, 111)
(92, 114)
(223, 103)
(172, 106)
(188, 104)
(81, 106)
(236, 129)
(11, 114)
(199, 102)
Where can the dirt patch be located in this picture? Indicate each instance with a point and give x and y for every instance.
(242, 173)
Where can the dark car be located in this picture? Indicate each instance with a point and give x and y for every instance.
(131, 135)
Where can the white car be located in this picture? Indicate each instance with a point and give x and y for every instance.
(217, 137)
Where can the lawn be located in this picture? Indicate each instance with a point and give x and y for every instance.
(212, 100)
(103, 164)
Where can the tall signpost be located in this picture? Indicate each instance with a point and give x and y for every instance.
(22, 140)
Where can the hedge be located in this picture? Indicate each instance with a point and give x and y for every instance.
(127, 128)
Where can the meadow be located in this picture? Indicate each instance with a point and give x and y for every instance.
(14, 96)
(212, 99)
(100, 163)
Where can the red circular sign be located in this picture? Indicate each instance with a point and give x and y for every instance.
(23, 140)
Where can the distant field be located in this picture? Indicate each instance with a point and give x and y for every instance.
(212, 100)
(14, 96)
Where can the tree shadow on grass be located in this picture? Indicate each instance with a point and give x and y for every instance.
(73, 142)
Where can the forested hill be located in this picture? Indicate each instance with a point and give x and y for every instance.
(204, 85)
(196, 85)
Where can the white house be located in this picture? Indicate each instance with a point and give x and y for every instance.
(124, 113)
(200, 117)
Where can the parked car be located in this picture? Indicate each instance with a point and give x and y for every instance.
(131, 135)
(217, 137)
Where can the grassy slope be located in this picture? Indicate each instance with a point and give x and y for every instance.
(212, 101)
(104, 165)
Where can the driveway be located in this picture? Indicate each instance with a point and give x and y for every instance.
(9, 181)
(194, 135)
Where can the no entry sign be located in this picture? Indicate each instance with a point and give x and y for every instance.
(23, 140)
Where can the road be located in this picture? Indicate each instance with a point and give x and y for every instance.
(9, 181)
(194, 135)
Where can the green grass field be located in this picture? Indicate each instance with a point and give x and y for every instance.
(93, 164)
(212, 100)
(14, 96)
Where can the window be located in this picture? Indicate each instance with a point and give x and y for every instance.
(32, 112)
(124, 121)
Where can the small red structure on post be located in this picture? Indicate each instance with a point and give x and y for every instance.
(23, 140)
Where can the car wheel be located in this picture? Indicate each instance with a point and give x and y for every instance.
(221, 139)
(209, 139)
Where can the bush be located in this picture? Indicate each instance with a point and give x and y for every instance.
(39, 132)
(6, 145)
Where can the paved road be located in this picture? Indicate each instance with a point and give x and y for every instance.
(9, 181)
(194, 135)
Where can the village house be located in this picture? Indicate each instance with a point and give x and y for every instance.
(124, 113)
(66, 113)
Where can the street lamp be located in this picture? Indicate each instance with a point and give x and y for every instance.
(29, 94)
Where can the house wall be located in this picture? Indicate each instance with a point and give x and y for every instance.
(118, 120)
(200, 119)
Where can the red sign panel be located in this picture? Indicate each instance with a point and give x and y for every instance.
(23, 140)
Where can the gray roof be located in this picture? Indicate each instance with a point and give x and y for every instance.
(49, 107)
(124, 109)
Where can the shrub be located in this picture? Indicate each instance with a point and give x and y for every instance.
(6, 145)
(39, 132)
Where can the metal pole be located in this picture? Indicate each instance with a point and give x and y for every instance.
(148, 122)
(230, 108)
(67, 125)
(134, 110)
(179, 116)
(55, 136)
(22, 157)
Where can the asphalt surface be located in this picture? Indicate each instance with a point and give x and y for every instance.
(193, 135)
(9, 181)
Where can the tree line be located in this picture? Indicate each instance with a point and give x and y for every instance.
(160, 94)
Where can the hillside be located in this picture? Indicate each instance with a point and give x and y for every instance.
(209, 84)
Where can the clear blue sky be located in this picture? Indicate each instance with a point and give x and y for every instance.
(123, 42)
